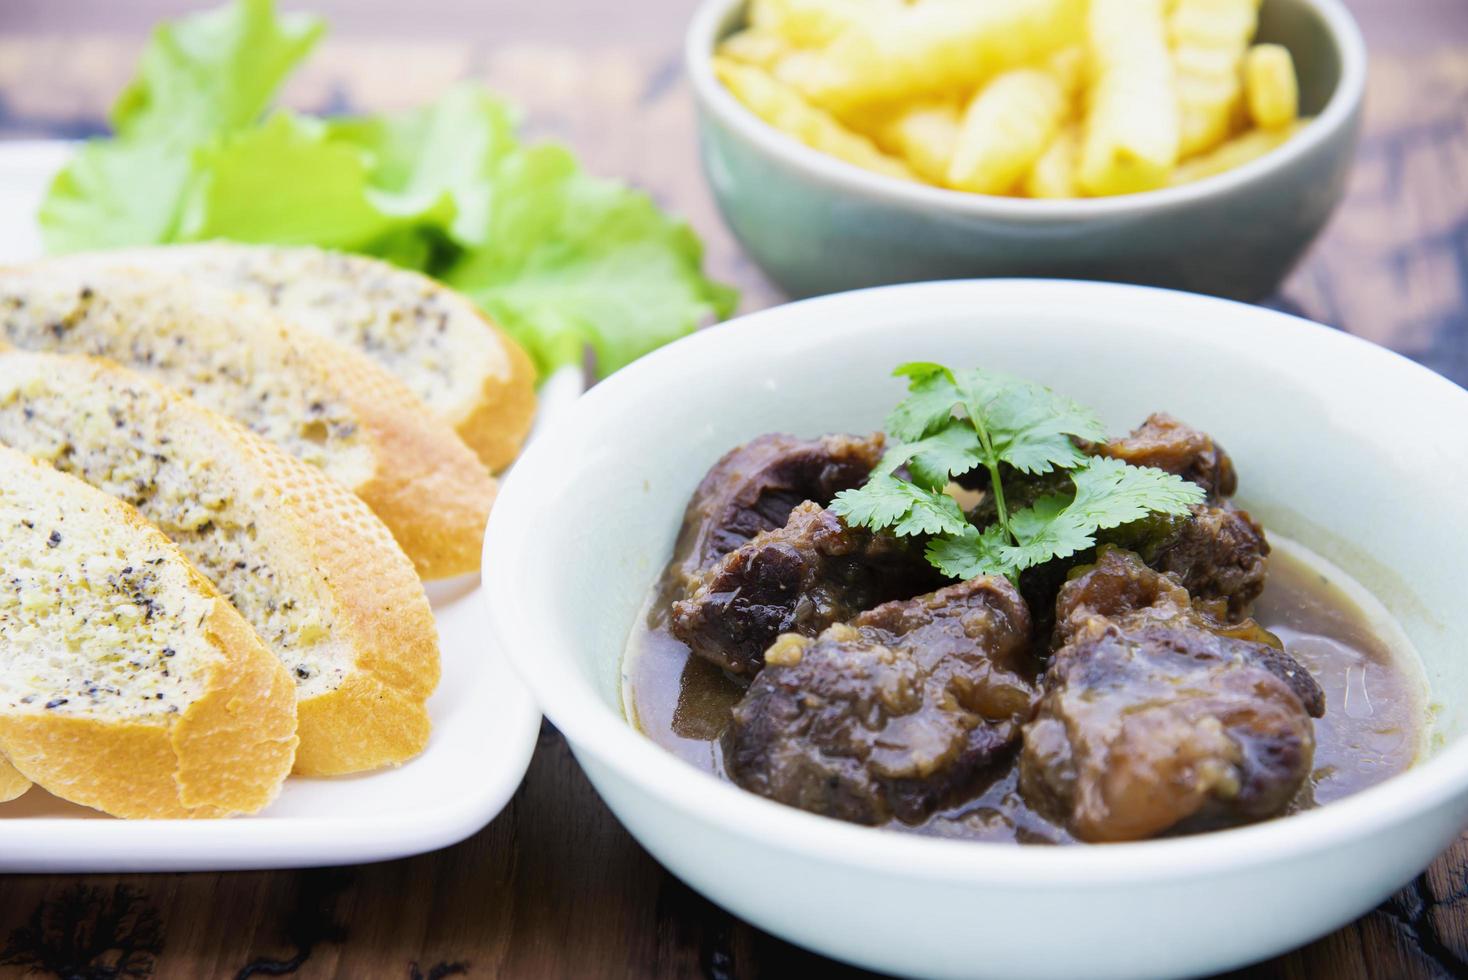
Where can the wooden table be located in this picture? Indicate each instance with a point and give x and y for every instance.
(554, 886)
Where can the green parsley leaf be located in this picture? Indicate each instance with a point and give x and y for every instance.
(1109, 493)
(971, 553)
(931, 398)
(1029, 425)
(933, 461)
(951, 423)
(908, 509)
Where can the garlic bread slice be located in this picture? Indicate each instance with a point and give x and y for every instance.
(305, 562)
(320, 401)
(433, 339)
(127, 683)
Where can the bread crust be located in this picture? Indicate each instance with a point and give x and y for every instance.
(437, 499)
(12, 784)
(227, 753)
(501, 419)
(378, 716)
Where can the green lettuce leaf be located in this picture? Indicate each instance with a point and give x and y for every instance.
(563, 260)
(213, 72)
(200, 77)
(284, 182)
(114, 194)
(569, 260)
(450, 149)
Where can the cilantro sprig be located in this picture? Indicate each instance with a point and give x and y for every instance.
(952, 423)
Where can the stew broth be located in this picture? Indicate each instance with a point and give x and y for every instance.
(1373, 726)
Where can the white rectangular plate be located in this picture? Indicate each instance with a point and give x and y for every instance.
(484, 722)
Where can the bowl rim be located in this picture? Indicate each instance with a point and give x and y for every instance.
(597, 732)
(1344, 103)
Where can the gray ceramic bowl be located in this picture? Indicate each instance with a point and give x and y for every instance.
(817, 225)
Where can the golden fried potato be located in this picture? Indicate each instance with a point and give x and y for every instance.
(1270, 86)
(813, 23)
(1209, 38)
(1131, 138)
(1046, 98)
(1068, 65)
(754, 46)
(1235, 153)
(925, 135)
(1212, 23)
(933, 48)
(783, 108)
(1006, 127)
(1054, 174)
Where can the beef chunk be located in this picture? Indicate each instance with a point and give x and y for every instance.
(755, 487)
(1167, 444)
(893, 714)
(1217, 552)
(799, 578)
(1156, 717)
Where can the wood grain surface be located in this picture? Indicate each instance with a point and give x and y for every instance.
(554, 887)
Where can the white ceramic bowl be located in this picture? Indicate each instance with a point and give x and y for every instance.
(816, 224)
(1355, 451)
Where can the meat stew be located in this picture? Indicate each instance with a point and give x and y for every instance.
(1175, 677)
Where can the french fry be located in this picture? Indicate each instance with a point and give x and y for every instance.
(1235, 153)
(754, 46)
(934, 49)
(1068, 65)
(1208, 106)
(1270, 86)
(1208, 39)
(1212, 23)
(812, 23)
(1131, 134)
(1046, 98)
(783, 108)
(925, 136)
(1006, 127)
(1054, 174)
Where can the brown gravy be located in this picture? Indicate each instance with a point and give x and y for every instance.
(1374, 724)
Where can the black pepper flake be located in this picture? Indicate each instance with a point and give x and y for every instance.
(302, 673)
(55, 702)
(54, 540)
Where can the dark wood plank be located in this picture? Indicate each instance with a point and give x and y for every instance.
(554, 886)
